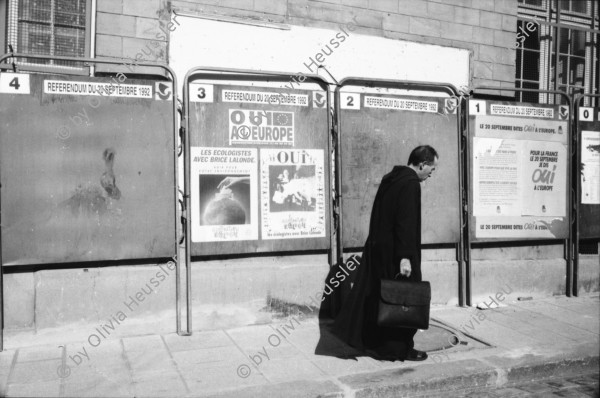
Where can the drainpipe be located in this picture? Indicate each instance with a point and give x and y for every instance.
(93, 36)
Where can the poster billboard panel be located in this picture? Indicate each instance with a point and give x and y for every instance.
(519, 166)
(259, 168)
(588, 126)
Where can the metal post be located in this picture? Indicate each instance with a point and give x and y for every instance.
(557, 49)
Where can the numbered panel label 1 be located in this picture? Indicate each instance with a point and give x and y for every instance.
(350, 100)
(14, 83)
(201, 92)
(476, 107)
(586, 114)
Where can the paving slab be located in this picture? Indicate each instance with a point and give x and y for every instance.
(34, 389)
(103, 389)
(159, 383)
(198, 340)
(143, 343)
(6, 361)
(210, 356)
(217, 378)
(297, 389)
(279, 371)
(567, 315)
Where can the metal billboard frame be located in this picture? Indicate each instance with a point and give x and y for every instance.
(217, 73)
(572, 210)
(106, 61)
(447, 88)
(577, 187)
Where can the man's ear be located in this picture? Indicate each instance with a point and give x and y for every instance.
(421, 166)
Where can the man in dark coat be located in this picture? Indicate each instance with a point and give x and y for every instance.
(393, 247)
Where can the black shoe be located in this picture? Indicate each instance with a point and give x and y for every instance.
(416, 355)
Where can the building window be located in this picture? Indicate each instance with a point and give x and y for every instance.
(49, 27)
(574, 6)
(557, 49)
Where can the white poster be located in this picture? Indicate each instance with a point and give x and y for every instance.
(223, 194)
(292, 193)
(496, 177)
(590, 167)
(544, 190)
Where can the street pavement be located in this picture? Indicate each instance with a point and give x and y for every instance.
(544, 347)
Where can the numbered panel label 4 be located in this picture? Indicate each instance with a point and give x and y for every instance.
(350, 100)
(14, 83)
(586, 114)
(201, 92)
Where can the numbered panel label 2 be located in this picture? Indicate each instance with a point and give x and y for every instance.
(350, 100)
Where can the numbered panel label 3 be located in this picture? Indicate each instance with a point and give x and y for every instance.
(201, 92)
(14, 83)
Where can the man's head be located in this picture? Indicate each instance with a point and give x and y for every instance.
(423, 160)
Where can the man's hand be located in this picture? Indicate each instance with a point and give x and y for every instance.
(405, 268)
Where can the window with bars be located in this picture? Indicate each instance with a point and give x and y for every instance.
(579, 6)
(49, 27)
(572, 74)
(561, 53)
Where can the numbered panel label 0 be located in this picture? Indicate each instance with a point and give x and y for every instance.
(476, 107)
(201, 92)
(14, 83)
(586, 114)
(350, 100)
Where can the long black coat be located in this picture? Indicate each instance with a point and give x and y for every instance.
(394, 233)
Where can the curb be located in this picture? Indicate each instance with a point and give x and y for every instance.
(389, 383)
(490, 378)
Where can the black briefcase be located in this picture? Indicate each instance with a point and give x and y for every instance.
(404, 304)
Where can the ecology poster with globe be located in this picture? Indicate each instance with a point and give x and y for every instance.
(224, 183)
(292, 193)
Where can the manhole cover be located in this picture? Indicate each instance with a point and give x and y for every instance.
(443, 337)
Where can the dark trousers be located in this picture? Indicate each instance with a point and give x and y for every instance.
(389, 343)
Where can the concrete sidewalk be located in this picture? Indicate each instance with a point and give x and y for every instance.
(522, 341)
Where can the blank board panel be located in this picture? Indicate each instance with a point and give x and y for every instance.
(87, 171)
(378, 131)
